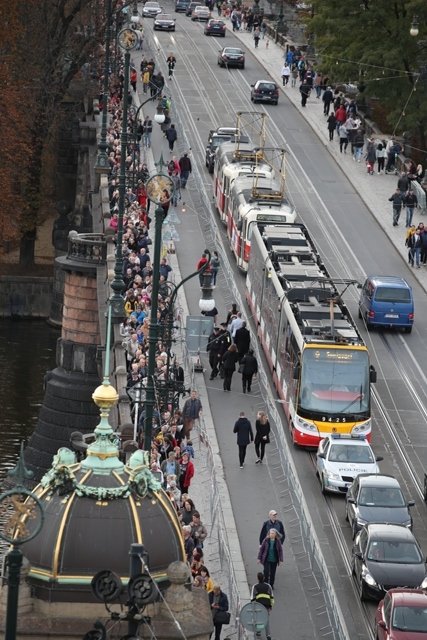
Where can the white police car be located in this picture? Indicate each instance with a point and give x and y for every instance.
(341, 458)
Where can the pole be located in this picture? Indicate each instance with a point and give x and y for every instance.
(14, 563)
(118, 285)
(150, 397)
(136, 551)
(102, 157)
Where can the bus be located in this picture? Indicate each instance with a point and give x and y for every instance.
(319, 362)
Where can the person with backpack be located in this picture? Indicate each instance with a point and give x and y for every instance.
(263, 593)
(301, 69)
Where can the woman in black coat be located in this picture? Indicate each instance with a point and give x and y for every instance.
(229, 360)
(262, 435)
(248, 368)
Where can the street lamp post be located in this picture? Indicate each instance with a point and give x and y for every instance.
(127, 40)
(101, 165)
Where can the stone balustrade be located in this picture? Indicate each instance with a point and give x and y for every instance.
(89, 248)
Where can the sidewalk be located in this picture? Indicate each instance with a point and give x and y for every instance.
(374, 190)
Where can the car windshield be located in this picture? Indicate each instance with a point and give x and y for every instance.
(334, 382)
(394, 551)
(350, 453)
(219, 140)
(233, 52)
(381, 497)
(410, 619)
(392, 294)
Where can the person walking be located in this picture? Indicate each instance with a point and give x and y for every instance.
(327, 99)
(381, 156)
(294, 74)
(214, 349)
(243, 429)
(270, 555)
(257, 36)
(397, 199)
(219, 607)
(242, 340)
(229, 360)
(410, 201)
(215, 265)
(262, 592)
(371, 156)
(171, 62)
(305, 92)
(272, 523)
(286, 72)
(176, 194)
(248, 368)
(331, 124)
(191, 411)
(262, 435)
(414, 244)
(358, 144)
(171, 136)
(343, 134)
(186, 168)
(224, 342)
(409, 242)
(147, 130)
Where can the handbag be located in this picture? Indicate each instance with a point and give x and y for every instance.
(222, 617)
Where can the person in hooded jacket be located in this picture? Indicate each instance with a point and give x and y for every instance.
(229, 360)
(243, 429)
(242, 340)
(248, 368)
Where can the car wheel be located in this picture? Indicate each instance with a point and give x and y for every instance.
(354, 529)
(242, 66)
(322, 484)
(276, 103)
(346, 513)
(408, 329)
(222, 35)
(360, 313)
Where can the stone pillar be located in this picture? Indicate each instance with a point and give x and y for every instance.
(68, 404)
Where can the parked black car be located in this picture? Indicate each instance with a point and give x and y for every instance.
(386, 556)
(376, 498)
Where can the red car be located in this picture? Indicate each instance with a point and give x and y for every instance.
(402, 615)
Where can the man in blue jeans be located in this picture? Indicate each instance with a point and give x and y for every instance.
(185, 166)
(410, 201)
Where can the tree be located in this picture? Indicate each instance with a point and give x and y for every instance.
(369, 42)
(43, 47)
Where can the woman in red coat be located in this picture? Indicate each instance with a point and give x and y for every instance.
(187, 472)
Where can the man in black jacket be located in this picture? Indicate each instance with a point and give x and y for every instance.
(327, 98)
(272, 523)
(214, 348)
(397, 200)
(242, 340)
(186, 168)
(245, 436)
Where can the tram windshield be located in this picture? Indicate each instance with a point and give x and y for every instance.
(335, 382)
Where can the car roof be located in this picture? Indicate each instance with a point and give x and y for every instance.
(409, 597)
(389, 532)
(377, 480)
(266, 81)
(358, 442)
(165, 15)
(389, 281)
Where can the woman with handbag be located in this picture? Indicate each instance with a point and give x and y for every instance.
(262, 435)
(248, 368)
(219, 607)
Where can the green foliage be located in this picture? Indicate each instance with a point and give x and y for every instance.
(369, 42)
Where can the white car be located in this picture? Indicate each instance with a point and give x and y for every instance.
(341, 458)
(151, 9)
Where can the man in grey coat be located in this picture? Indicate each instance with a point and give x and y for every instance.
(245, 436)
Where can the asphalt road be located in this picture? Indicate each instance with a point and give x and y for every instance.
(352, 244)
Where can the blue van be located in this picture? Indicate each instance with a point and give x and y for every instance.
(387, 301)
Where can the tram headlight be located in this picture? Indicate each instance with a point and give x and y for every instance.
(303, 424)
(360, 429)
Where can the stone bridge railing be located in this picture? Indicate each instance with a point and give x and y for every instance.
(90, 248)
